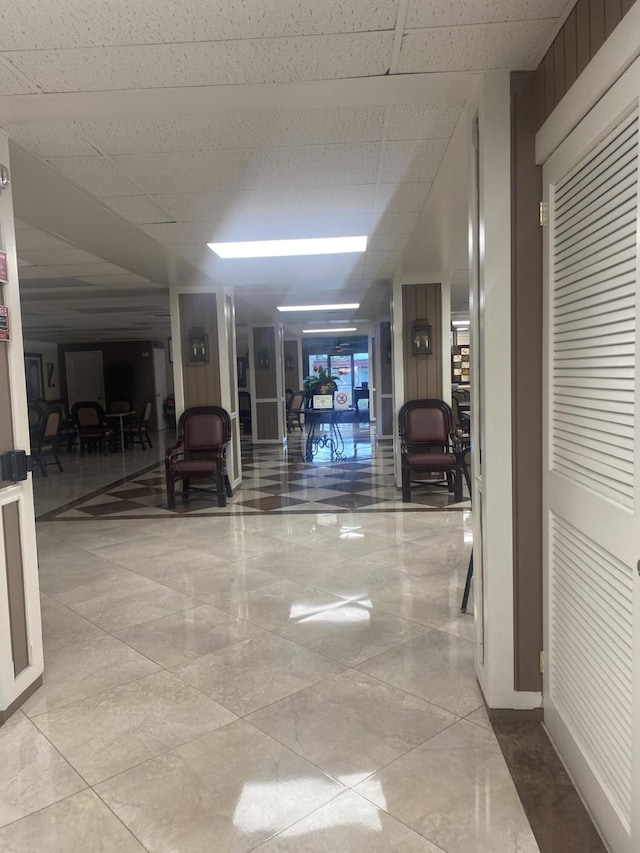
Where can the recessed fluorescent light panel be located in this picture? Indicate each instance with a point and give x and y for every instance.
(287, 248)
(461, 322)
(345, 306)
(324, 331)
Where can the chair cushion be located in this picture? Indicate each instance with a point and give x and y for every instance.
(430, 461)
(201, 467)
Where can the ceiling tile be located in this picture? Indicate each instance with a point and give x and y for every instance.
(208, 63)
(39, 24)
(111, 280)
(55, 257)
(168, 233)
(308, 165)
(428, 121)
(475, 48)
(412, 160)
(387, 243)
(96, 175)
(12, 83)
(80, 270)
(51, 140)
(201, 133)
(36, 272)
(401, 198)
(137, 208)
(33, 238)
(211, 207)
(393, 223)
(443, 13)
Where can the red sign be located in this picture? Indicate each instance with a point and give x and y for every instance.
(4, 273)
(4, 323)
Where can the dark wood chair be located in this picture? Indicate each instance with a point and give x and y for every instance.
(46, 440)
(203, 435)
(429, 444)
(93, 430)
(294, 406)
(137, 429)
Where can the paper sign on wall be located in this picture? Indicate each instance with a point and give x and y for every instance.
(4, 272)
(4, 323)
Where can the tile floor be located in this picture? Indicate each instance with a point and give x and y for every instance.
(278, 681)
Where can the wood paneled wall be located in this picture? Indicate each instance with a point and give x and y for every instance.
(267, 417)
(264, 340)
(201, 380)
(292, 374)
(386, 367)
(422, 373)
(584, 32)
(526, 386)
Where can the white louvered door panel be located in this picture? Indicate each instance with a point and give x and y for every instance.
(592, 468)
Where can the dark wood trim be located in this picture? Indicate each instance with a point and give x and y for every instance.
(22, 698)
(583, 33)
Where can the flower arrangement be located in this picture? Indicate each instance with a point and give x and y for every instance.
(320, 381)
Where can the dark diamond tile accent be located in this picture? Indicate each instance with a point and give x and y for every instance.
(359, 486)
(270, 503)
(282, 488)
(353, 501)
(127, 494)
(109, 508)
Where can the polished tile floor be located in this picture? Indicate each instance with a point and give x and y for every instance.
(255, 680)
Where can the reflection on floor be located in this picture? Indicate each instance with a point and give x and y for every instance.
(274, 480)
(275, 680)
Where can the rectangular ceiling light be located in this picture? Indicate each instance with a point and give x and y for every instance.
(461, 322)
(324, 331)
(286, 248)
(344, 306)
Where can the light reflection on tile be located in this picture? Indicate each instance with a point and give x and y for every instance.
(348, 823)
(228, 790)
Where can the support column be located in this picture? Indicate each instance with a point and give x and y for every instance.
(267, 384)
(204, 358)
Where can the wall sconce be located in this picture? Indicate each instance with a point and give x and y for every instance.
(288, 363)
(388, 353)
(421, 338)
(262, 357)
(198, 343)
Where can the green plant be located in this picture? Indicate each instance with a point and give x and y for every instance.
(319, 377)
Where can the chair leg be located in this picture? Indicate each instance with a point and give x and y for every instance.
(185, 489)
(41, 464)
(221, 489)
(227, 484)
(60, 468)
(171, 493)
(146, 435)
(457, 485)
(406, 486)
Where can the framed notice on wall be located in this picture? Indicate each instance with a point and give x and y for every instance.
(4, 323)
(4, 272)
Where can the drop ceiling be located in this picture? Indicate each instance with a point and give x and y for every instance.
(211, 120)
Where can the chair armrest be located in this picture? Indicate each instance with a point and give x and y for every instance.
(175, 450)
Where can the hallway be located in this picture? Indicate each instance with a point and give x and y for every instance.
(214, 682)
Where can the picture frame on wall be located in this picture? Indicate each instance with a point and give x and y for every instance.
(34, 376)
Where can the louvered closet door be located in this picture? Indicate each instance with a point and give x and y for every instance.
(592, 464)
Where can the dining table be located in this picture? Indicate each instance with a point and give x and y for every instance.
(121, 417)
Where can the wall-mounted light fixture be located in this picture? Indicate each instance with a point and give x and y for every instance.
(289, 363)
(262, 358)
(421, 338)
(198, 343)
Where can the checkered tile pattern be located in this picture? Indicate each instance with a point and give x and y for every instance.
(274, 480)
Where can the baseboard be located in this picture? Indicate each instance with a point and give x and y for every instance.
(15, 705)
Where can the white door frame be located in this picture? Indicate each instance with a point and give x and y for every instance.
(14, 687)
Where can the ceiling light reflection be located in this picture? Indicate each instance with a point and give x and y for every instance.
(262, 806)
